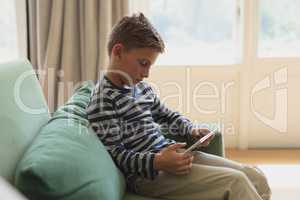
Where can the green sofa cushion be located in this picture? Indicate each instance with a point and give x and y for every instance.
(67, 161)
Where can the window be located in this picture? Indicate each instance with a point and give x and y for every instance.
(196, 32)
(8, 29)
(279, 34)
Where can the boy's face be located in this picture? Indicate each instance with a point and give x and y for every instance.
(136, 64)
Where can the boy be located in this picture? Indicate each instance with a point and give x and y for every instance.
(125, 113)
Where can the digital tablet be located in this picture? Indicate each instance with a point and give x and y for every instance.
(200, 141)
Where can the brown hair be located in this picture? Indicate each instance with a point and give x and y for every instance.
(135, 31)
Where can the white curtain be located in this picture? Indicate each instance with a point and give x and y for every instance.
(67, 42)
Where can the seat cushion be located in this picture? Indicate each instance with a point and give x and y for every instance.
(67, 161)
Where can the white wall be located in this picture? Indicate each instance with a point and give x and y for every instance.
(180, 88)
(203, 94)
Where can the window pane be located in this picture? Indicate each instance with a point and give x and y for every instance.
(8, 31)
(195, 31)
(279, 28)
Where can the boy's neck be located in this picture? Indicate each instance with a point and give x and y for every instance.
(114, 76)
(114, 79)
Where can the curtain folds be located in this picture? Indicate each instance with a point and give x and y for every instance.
(67, 42)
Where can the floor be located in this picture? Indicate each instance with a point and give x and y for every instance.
(282, 168)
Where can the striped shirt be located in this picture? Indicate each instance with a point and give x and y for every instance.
(129, 122)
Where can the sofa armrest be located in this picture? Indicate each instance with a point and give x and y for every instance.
(216, 146)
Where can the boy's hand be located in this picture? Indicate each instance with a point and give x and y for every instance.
(171, 161)
(198, 133)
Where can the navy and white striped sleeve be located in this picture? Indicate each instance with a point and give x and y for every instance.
(104, 120)
(172, 121)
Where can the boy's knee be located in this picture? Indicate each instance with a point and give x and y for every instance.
(236, 179)
(259, 180)
(239, 177)
(254, 173)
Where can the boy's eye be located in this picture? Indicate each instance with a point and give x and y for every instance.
(143, 63)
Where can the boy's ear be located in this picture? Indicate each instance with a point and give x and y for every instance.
(117, 50)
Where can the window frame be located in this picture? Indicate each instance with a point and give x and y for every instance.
(143, 5)
(247, 29)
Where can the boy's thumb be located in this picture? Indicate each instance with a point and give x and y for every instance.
(176, 146)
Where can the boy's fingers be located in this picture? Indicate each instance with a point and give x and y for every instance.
(187, 161)
(176, 146)
(206, 143)
(204, 130)
(185, 172)
(187, 156)
(185, 167)
(213, 136)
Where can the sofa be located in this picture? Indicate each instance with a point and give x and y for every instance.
(57, 156)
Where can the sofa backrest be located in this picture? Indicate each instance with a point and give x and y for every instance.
(23, 111)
